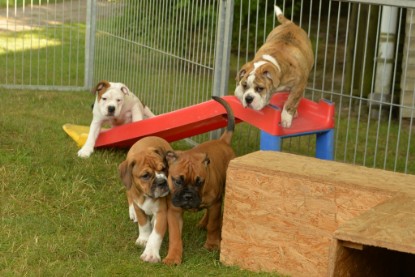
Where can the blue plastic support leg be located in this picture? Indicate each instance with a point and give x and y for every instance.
(270, 142)
(325, 145)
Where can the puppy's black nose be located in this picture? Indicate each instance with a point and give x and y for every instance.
(187, 196)
(111, 109)
(161, 182)
(249, 99)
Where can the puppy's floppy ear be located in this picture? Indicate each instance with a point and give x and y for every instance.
(125, 172)
(272, 74)
(240, 75)
(171, 157)
(125, 90)
(159, 151)
(245, 68)
(206, 161)
(101, 85)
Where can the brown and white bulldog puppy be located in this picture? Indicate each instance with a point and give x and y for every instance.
(282, 63)
(197, 181)
(144, 174)
(114, 104)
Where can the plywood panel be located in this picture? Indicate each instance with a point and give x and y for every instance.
(390, 225)
(281, 210)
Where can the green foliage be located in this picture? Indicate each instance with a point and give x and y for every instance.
(254, 20)
(185, 22)
(189, 21)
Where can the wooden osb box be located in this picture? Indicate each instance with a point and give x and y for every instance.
(281, 210)
(379, 242)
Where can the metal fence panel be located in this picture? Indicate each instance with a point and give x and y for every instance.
(363, 63)
(43, 44)
(163, 50)
(171, 54)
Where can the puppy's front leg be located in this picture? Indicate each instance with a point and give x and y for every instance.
(204, 221)
(88, 147)
(152, 252)
(290, 106)
(213, 227)
(175, 224)
(144, 227)
(131, 208)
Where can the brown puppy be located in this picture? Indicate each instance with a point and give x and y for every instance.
(197, 181)
(144, 174)
(282, 63)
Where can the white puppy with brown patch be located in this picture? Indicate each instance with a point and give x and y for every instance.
(114, 104)
(282, 63)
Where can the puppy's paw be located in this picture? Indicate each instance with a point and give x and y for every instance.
(203, 222)
(150, 256)
(214, 245)
(85, 152)
(201, 225)
(141, 241)
(171, 260)
(132, 214)
(286, 119)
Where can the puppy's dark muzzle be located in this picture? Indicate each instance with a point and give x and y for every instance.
(186, 200)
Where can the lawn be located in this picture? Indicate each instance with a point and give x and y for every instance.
(66, 216)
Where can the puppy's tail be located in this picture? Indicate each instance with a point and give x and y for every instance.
(227, 135)
(280, 16)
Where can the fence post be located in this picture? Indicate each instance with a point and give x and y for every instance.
(223, 47)
(222, 52)
(90, 42)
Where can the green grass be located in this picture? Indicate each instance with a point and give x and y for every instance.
(66, 216)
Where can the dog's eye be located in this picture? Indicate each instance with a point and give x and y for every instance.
(259, 89)
(244, 86)
(118, 100)
(104, 98)
(178, 181)
(145, 176)
(199, 182)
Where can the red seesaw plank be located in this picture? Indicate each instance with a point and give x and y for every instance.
(210, 115)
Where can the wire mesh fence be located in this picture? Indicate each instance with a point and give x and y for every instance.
(164, 50)
(362, 64)
(173, 54)
(42, 44)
